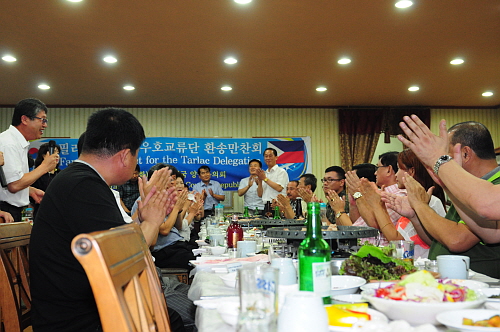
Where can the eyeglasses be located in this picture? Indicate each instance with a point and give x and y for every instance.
(330, 180)
(377, 167)
(44, 120)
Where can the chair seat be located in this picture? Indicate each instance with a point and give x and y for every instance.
(180, 273)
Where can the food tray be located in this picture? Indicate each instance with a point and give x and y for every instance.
(272, 222)
(344, 232)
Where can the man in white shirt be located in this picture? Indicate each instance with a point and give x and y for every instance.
(28, 123)
(275, 178)
(251, 187)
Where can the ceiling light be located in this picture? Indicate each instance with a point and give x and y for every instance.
(457, 61)
(226, 88)
(8, 58)
(74, 0)
(230, 61)
(403, 4)
(487, 94)
(242, 2)
(110, 59)
(321, 89)
(344, 61)
(413, 88)
(128, 87)
(43, 87)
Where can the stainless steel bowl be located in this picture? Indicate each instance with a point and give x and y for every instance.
(336, 263)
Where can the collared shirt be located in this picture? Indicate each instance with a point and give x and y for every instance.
(251, 198)
(15, 150)
(129, 191)
(279, 176)
(163, 240)
(209, 200)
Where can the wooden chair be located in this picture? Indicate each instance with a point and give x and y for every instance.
(15, 296)
(123, 279)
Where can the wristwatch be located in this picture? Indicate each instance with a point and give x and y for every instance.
(338, 214)
(356, 195)
(441, 160)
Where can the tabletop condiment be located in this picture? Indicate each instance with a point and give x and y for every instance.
(314, 257)
(234, 233)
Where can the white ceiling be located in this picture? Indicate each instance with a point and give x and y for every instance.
(172, 51)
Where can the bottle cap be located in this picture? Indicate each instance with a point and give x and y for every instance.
(321, 205)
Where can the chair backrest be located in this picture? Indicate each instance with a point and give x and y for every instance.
(123, 279)
(15, 295)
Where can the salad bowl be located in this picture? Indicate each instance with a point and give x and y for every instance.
(417, 313)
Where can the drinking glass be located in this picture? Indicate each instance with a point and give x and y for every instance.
(258, 287)
(303, 311)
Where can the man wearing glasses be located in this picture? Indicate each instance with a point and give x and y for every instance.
(334, 179)
(28, 123)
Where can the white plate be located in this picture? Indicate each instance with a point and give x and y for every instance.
(489, 292)
(348, 298)
(375, 285)
(375, 316)
(472, 284)
(453, 319)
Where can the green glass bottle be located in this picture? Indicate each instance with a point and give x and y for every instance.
(314, 257)
(246, 214)
(277, 213)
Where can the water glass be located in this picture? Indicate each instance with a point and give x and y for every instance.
(258, 288)
(404, 250)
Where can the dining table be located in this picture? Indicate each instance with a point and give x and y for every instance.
(208, 289)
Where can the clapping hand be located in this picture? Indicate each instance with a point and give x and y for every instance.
(416, 193)
(353, 182)
(370, 192)
(336, 203)
(400, 204)
(160, 179)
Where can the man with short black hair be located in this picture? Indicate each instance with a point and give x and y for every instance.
(210, 189)
(334, 179)
(275, 178)
(251, 187)
(79, 201)
(29, 120)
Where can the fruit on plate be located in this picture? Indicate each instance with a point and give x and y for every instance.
(347, 314)
(493, 321)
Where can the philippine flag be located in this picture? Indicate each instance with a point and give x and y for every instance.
(289, 152)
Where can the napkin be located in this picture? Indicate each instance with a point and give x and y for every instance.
(214, 303)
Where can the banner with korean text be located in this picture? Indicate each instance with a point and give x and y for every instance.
(227, 158)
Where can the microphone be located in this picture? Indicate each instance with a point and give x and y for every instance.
(52, 146)
(3, 182)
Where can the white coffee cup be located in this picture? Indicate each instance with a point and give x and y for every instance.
(288, 274)
(245, 247)
(453, 266)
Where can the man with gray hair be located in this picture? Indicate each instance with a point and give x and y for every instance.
(28, 123)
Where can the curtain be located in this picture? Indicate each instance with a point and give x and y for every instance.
(359, 133)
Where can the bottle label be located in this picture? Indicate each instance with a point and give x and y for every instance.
(321, 278)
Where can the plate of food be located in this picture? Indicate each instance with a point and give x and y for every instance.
(471, 320)
(374, 263)
(341, 317)
(493, 294)
(421, 293)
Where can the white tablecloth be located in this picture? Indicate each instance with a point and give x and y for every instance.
(207, 285)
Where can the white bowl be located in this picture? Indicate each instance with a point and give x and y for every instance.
(348, 298)
(217, 251)
(417, 313)
(229, 311)
(345, 284)
(375, 285)
(472, 284)
(229, 279)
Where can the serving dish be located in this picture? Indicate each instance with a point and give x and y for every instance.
(417, 313)
(453, 319)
